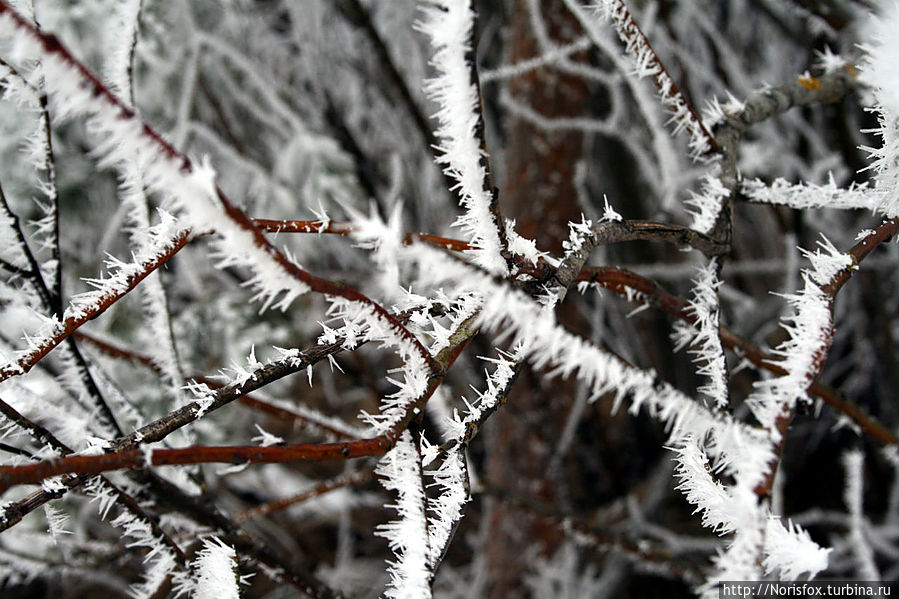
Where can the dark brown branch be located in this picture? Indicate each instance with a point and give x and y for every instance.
(279, 413)
(13, 513)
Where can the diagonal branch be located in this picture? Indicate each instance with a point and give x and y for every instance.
(111, 294)
(886, 230)
(648, 63)
(729, 131)
(339, 482)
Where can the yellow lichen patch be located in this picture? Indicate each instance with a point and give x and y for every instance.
(809, 82)
(851, 69)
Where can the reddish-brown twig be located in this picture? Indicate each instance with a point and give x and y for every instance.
(858, 252)
(340, 228)
(619, 280)
(637, 43)
(344, 480)
(125, 452)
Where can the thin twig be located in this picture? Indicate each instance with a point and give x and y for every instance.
(124, 452)
(346, 229)
(51, 303)
(636, 43)
(338, 482)
(886, 230)
(480, 131)
(69, 325)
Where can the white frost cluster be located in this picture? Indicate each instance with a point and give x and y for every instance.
(160, 559)
(215, 573)
(400, 471)
(809, 329)
(705, 206)
(384, 239)
(704, 336)
(785, 548)
(728, 446)
(812, 195)
(360, 323)
(716, 111)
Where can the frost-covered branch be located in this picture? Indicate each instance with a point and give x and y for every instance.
(647, 64)
(449, 24)
(91, 304)
(640, 289)
(51, 305)
(207, 130)
(124, 452)
(731, 122)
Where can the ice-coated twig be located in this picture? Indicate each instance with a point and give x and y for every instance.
(51, 305)
(400, 471)
(546, 344)
(39, 149)
(647, 64)
(214, 573)
(703, 334)
(810, 329)
(877, 71)
(449, 24)
(119, 69)
(730, 123)
(167, 240)
(853, 495)
(827, 195)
